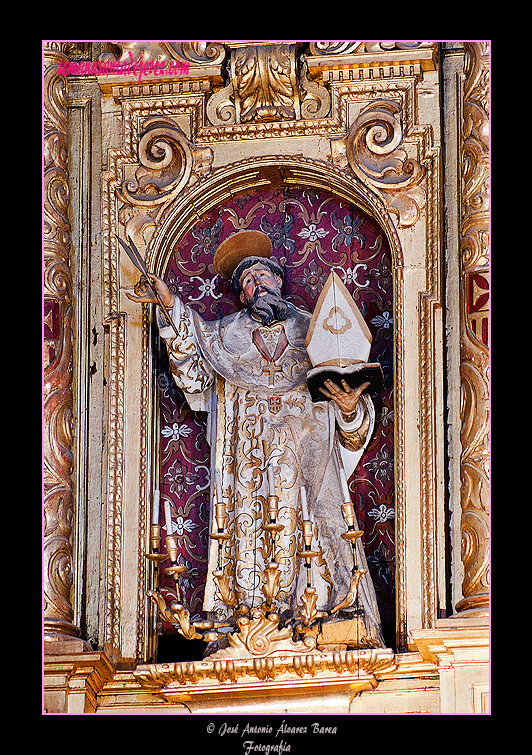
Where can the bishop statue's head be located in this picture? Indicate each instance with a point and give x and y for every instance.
(256, 278)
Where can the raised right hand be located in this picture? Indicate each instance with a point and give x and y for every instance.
(145, 291)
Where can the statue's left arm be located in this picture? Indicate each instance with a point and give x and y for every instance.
(354, 413)
(354, 429)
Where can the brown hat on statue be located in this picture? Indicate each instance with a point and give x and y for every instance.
(237, 247)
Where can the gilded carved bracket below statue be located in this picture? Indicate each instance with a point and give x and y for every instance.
(358, 669)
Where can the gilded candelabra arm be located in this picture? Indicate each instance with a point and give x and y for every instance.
(272, 583)
(272, 575)
(351, 597)
(352, 534)
(307, 553)
(226, 594)
(308, 612)
(176, 614)
(186, 627)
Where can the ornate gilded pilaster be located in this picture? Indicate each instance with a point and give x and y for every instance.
(58, 457)
(474, 356)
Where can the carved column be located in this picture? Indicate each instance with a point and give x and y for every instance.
(58, 457)
(474, 352)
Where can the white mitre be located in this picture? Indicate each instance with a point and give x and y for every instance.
(338, 342)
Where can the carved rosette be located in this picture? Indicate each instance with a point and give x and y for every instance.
(474, 367)
(58, 457)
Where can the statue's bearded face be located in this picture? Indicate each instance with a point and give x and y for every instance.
(261, 292)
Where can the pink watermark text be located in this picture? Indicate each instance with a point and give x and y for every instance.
(138, 68)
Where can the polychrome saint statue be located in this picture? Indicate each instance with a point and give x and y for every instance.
(248, 371)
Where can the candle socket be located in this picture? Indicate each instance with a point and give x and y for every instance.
(155, 544)
(155, 538)
(273, 510)
(221, 518)
(307, 554)
(348, 511)
(273, 507)
(171, 548)
(307, 533)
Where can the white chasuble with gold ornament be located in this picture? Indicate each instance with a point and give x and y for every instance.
(250, 379)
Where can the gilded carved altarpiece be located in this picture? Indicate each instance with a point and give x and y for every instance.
(296, 128)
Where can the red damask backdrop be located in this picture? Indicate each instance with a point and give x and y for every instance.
(312, 232)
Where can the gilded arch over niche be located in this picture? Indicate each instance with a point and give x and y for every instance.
(182, 214)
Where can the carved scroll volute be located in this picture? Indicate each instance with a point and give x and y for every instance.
(474, 366)
(168, 162)
(58, 458)
(376, 154)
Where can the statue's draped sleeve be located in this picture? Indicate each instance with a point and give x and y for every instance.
(354, 436)
(191, 371)
(354, 433)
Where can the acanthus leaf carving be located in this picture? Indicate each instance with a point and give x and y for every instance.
(265, 83)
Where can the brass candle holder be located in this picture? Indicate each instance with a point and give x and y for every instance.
(221, 534)
(273, 526)
(221, 520)
(308, 612)
(307, 553)
(352, 534)
(357, 574)
(174, 570)
(348, 511)
(273, 510)
(155, 555)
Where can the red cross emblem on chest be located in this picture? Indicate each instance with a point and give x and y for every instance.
(275, 404)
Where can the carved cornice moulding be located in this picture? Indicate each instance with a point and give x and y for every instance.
(339, 62)
(298, 674)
